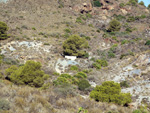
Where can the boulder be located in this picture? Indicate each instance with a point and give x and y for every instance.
(84, 8)
(124, 11)
(142, 60)
(133, 105)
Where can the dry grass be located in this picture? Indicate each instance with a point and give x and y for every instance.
(30, 100)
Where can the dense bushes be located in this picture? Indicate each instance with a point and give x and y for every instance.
(147, 42)
(74, 46)
(124, 84)
(131, 19)
(96, 3)
(29, 74)
(114, 25)
(3, 31)
(148, 6)
(65, 79)
(142, 3)
(100, 63)
(110, 92)
(76, 80)
(83, 84)
(133, 2)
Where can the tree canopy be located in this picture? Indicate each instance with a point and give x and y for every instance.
(29, 74)
(74, 46)
(3, 31)
(110, 91)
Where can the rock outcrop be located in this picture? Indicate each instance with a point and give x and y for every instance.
(84, 8)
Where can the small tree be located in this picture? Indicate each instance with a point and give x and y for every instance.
(110, 91)
(142, 3)
(74, 46)
(83, 84)
(114, 25)
(147, 42)
(29, 74)
(3, 31)
(148, 6)
(133, 2)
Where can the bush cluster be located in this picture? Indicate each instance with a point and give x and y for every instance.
(110, 91)
(83, 84)
(3, 31)
(96, 3)
(114, 25)
(66, 78)
(133, 2)
(147, 42)
(119, 17)
(78, 79)
(28, 74)
(74, 46)
(142, 3)
(100, 63)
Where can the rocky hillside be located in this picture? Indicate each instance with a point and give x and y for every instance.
(80, 45)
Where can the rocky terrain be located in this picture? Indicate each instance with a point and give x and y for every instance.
(38, 30)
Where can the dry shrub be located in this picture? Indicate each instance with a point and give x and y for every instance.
(20, 102)
(24, 92)
(40, 99)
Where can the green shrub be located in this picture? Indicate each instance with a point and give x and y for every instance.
(133, 2)
(137, 111)
(148, 6)
(3, 31)
(45, 86)
(65, 79)
(124, 42)
(128, 29)
(66, 35)
(80, 75)
(142, 3)
(86, 55)
(147, 42)
(100, 63)
(79, 20)
(4, 104)
(81, 110)
(55, 73)
(74, 46)
(110, 91)
(74, 68)
(29, 74)
(119, 17)
(88, 15)
(143, 16)
(83, 84)
(111, 54)
(96, 3)
(33, 28)
(124, 84)
(114, 25)
(114, 38)
(131, 19)
(96, 65)
(68, 79)
(121, 5)
(46, 76)
(67, 30)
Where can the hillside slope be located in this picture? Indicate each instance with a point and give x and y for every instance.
(118, 36)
